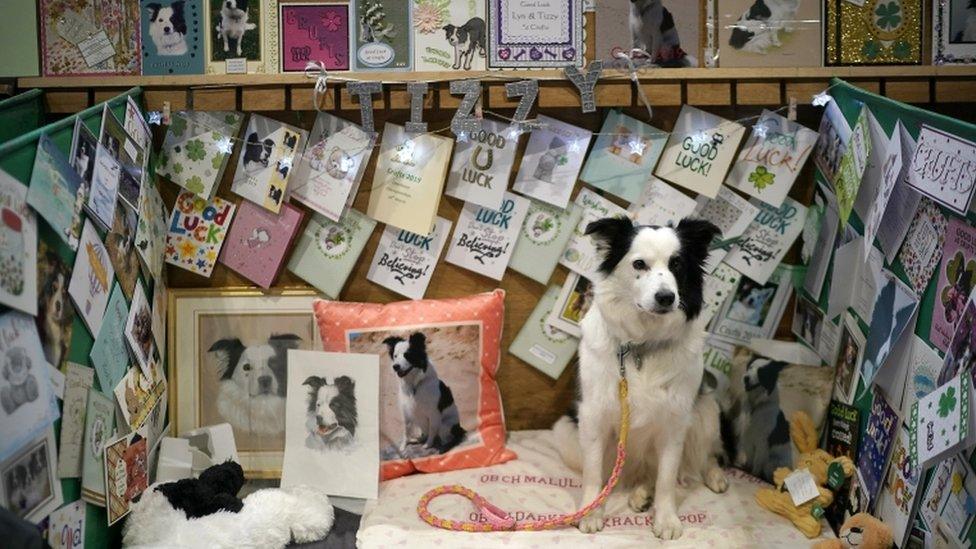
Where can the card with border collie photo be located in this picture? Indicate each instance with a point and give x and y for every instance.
(808, 322)
(29, 489)
(671, 35)
(314, 32)
(699, 151)
(484, 238)
(753, 310)
(332, 423)
(623, 156)
(450, 36)
(544, 235)
(575, 299)
(847, 366)
(552, 161)
(383, 37)
(769, 33)
(242, 36)
(833, 136)
(535, 34)
(82, 154)
(172, 37)
(266, 160)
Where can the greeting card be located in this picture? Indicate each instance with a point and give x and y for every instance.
(130, 154)
(873, 32)
(243, 38)
(150, 237)
(852, 164)
(922, 249)
(544, 235)
(901, 204)
(767, 239)
(258, 241)
(946, 483)
(484, 238)
(940, 422)
(876, 444)
(91, 278)
(731, 213)
(27, 400)
(404, 262)
(884, 169)
(29, 490)
(172, 37)
(327, 252)
(944, 168)
(78, 379)
(55, 313)
(824, 215)
(104, 190)
(543, 347)
(66, 526)
(661, 204)
(897, 502)
(574, 300)
(843, 428)
(623, 156)
(833, 136)
(956, 277)
(699, 151)
(552, 161)
(450, 36)
(792, 37)
(138, 332)
(409, 178)
(267, 156)
(88, 39)
(136, 125)
(138, 394)
(120, 241)
(535, 34)
(314, 32)
(847, 366)
(894, 312)
(55, 191)
(18, 247)
(196, 232)
(82, 155)
(196, 149)
(959, 356)
(482, 165)
(770, 161)
(335, 158)
(718, 286)
(99, 427)
(921, 375)
(580, 254)
(126, 473)
(863, 275)
(108, 354)
(159, 315)
(382, 39)
(754, 310)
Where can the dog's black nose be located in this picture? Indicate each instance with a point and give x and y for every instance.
(664, 298)
(166, 30)
(264, 382)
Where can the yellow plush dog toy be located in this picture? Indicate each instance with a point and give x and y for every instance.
(822, 466)
(861, 531)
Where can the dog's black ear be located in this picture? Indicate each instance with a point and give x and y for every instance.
(346, 385)
(153, 8)
(315, 382)
(228, 351)
(769, 374)
(253, 138)
(696, 235)
(418, 341)
(391, 342)
(284, 341)
(612, 237)
(177, 6)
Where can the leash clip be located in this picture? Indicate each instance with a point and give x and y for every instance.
(495, 516)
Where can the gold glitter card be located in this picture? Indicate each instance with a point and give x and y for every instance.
(878, 32)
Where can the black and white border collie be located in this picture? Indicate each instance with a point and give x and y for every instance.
(332, 417)
(251, 396)
(234, 23)
(647, 294)
(167, 27)
(467, 40)
(430, 416)
(257, 153)
(653, 30)
(758, 29)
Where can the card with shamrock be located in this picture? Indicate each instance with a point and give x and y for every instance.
(940, 421)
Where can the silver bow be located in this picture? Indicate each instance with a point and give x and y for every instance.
(316, 70)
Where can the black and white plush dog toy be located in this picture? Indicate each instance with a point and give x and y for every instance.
(205, 512)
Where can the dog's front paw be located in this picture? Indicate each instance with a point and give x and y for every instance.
(667, 525)
(593, 522)
(640, 499)
(716, 480)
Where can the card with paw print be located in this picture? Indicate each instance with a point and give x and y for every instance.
(940, 421)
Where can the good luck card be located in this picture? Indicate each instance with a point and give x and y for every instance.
(545, 348)
(172, 37)
(196, 149)
(335, 158)
(258, 241)
(55, 191)
(897, 502)
(382, 39)
(404, 262)
(450, 36)
(197, 229)
(327, 252)
(731, 213)
(944, 168)
(18, 252)
(940, 421)
(91, 278)
(545, 233)
(623, 156)
(770, 161)
(552, 161)
(267, 156)
(482, 165)
(89, 38)
(484, 238)
(956, 277)
(580, 254)
(876, 444)
(535, 34)
(314, 32)
(699, 151)
(767, 239)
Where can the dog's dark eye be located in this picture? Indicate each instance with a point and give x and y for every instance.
(639, 264)
(674, 263)
(246, 367)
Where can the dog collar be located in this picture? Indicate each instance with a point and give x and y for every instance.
(634, 349)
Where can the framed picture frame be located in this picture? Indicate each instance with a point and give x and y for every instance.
(227, 363)
(256, 51)
(954, 35)
(317, 31)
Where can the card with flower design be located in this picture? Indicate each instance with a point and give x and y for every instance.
(55, 191)
(196, 149)
(874, 32)
(99, 426)
(242, 37)
(89, 38)
(482, 165)
(126, 472)
(580, 254)
(922, 249)
(91, 278)
(954, 36)
(18, 247)
(956, 277)
(545, 348)
(383, 39)
(483, 237)
(731, 213)
(940, 421)
(404, 262)
(197, 229)
(450, 36)
(314, 32)
(258, 241)
(623, 156)
(535, 34)
(700, 150)
(335, 158)
(770, 161)
(266, 160)
(552, 161)
(545, 233)
(327, 251)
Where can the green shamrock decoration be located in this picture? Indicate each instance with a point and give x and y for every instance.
(902, 50)
(195, 184)
(871, 49)
(889, 15)
(761, 177)
(947, 402)
(217, 161)
(231, 119)
(194, 150)
(177, 126)
(162, 159)
(177, 168)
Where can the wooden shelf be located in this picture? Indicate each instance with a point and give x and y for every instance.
(664, 87)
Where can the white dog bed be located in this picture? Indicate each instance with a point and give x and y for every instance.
(538, 484)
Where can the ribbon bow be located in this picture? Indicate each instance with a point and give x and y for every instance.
(628, 57)
(316, 69)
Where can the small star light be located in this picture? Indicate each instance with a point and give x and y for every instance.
(513, 132)
(759, 131)
(405, 153)
(574, 146)
(700, 138)
(462, 137)
(637, 147)
(346, 163)
(155, 118)
(821, 99)
(285, 163)
(224, 145)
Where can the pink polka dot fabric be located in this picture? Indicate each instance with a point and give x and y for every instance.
(463, 337)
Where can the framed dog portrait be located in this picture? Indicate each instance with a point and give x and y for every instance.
(228, 363)
(242, 36)
(954, 38)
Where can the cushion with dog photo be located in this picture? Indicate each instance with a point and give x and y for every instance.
(763, 393)
(440, 408)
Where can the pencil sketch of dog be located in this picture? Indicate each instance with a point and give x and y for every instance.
(652, 29)
(758, 29)
(968, 33)
(467, 41)
(234, 23)
(647, 298)
(331, 418)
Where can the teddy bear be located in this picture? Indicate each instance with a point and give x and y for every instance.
(825, 469)
(861, 531)
(21, 384)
